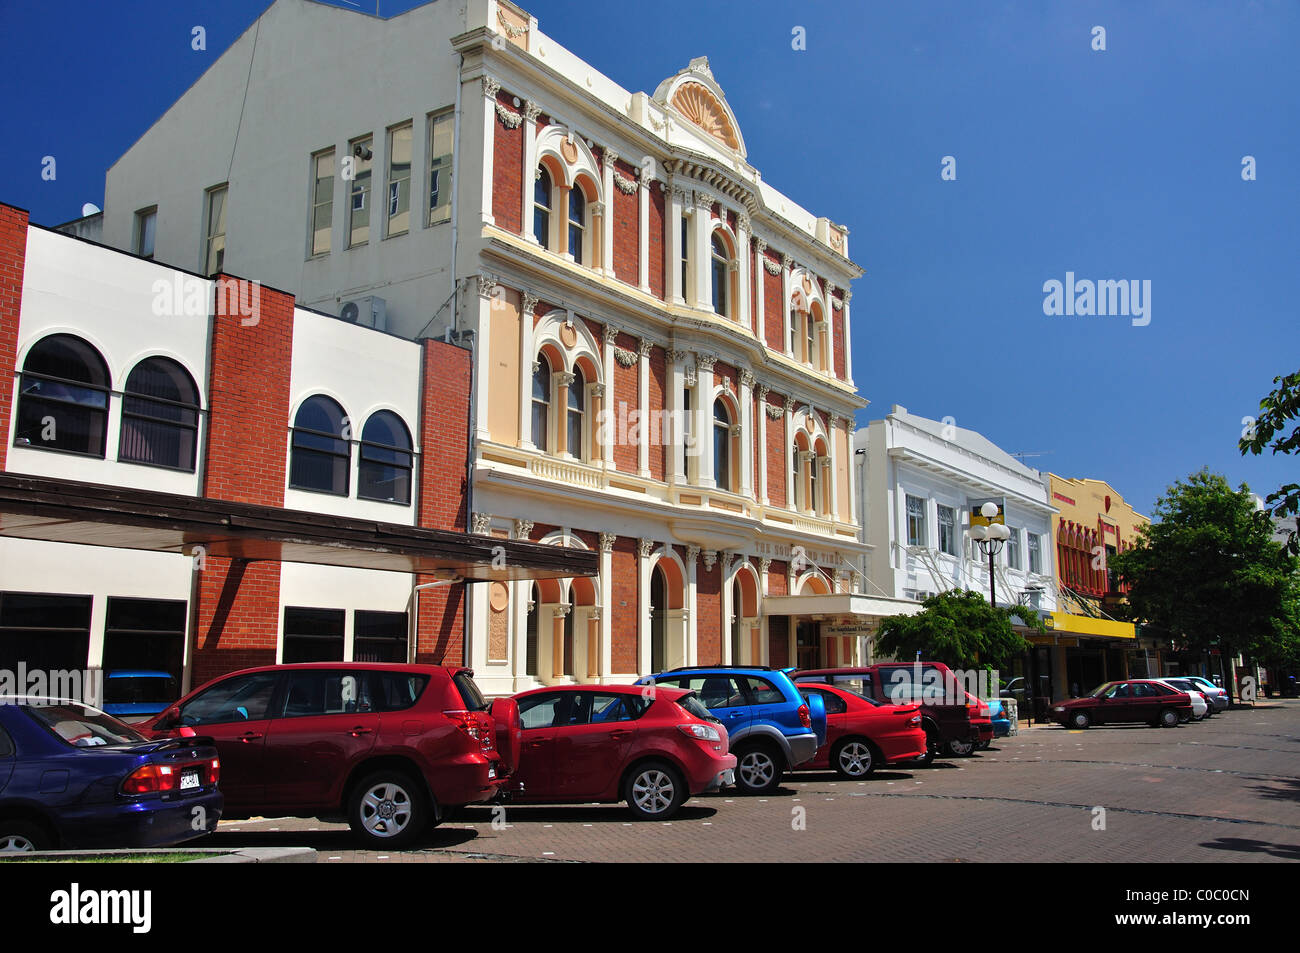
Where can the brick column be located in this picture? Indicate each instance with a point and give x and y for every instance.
(13, 260)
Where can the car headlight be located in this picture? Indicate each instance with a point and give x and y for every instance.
(1059, 708)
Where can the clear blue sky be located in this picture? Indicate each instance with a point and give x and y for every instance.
(1122, 164)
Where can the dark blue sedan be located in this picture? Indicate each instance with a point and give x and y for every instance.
(72, 776)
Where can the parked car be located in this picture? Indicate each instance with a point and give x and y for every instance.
(1216, 695)
(770, 726)
(653, 748)
(1135, 700)
(863, 734)
(391, 748)
(134, 695)
(953, 726)
(73, 776)
(1000, 718)
(1200, 704)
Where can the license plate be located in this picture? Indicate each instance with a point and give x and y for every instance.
(189, 780)
(492, 773)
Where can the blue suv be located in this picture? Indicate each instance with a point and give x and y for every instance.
(771, 728)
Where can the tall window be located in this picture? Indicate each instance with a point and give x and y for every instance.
(794, 333)
(916, 535)
(721, 444)
(385, 470)
(814, 498)
(797, 469)
(359, 195)
(721, 272)
(947, 530)
(322, 201)
(688, 432)
(441, 128)
(658, 620)
(63, 397)
(160, 415)
(541, 401)
(1035, 553)
(1013, 548)
(214, 254)
(312, 635)
(810, 339)
(399, 180)
(576, 402)
(321, 454)
(379, 636)
(686, 295)
(577, 213)
(542, 207)
(44, 632)
(146, 228)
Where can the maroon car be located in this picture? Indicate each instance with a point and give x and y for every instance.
(391, 748)
(1137, 700)
(649, 745)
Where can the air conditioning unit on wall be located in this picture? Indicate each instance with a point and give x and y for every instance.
(370, 311)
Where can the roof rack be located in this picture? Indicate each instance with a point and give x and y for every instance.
(696, 668)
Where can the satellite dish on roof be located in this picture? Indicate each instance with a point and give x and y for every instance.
(90, 208)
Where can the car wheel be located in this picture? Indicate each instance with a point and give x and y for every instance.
(1080, 720)
(389, 810)
(931, 749)
(20, 837)
(985, 745)
(853, 759)
(654, 792)
(758, 770)
(960, 749)
(1169, 718)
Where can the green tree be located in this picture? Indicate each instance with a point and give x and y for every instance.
(1270, 430)
(1208, 571)
(958, 628)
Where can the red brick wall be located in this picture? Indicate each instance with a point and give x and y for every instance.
(248, 402)
(708, 610)
(626, 392)
(624, 588)
(656, 250)
(776, 457)
(773, 307)
(444, 435)
(507, 172)
(725, 375)
(778, 641)
(238, 616)
(658, 387)
(13, 259)
(776, 579)
(837, 332)
(441, 634)
(627, 229)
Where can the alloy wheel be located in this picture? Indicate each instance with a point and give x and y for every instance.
(15, 844)
(757, 769)
(386, 810)
(653, 791)
(855, 759)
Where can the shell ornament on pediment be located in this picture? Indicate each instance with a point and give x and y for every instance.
(701, 108)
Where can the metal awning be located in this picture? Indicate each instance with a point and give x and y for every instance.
(850, 606)
(92, 514)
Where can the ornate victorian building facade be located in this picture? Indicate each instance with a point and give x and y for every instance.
(661, 341)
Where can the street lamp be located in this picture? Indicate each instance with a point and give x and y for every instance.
(991, 539)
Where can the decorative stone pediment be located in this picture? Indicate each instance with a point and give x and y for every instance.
(696, 96)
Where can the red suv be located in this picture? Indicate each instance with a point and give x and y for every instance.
(649, 745)
(389, 747)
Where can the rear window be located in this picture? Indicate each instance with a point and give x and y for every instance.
(835, 705)
(396, 691)
(83, 727)
(469, 693)
(693, 706)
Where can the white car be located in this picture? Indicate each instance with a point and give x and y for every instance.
(1214, 694)
(1200, 706)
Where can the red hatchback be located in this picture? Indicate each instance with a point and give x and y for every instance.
(389, 747)
(649, 745)
(862, 733)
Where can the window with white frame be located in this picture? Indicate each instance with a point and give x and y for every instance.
(214, 248)
(542, 200)
(541, 402)
(916, 535)
(577, 221)
(322, 201)
(576, 407)
(1035, 553)
(146, 228)
(947, 530)
(721, 275)
(441, 150)
(399, 179)
(361, 157)
(1013, 548)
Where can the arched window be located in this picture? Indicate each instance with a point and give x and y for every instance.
(658, 620)
(576, 406)
(541, 401)
(567, 649)
(721, 444)
(63, 397)
(797, 469)
(542, 207)
(794, 332)
(160, 415)
(810, 343)
(531, 666)
(814, 500)
(577, 218)
(386, 461)
(322, 454)
(721, 271)
(737, 610)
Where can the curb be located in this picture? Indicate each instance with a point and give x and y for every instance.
(245, 855)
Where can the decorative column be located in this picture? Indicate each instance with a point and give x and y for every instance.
(673, 431)
(787, 263)
(487, 291)
(606, 655)
(830, 329)
(600, 261)
(593, 643)
(562, 381)
(834, 420)
(848, 338)
(704, 418)
(643, 400)
(744, 315)
(610, 424)
(853, 475)
(790, 499)
(644, 550)
(607, 221)
(526, 361)
(761, 653)
(702, 225)
(763, 391)
(559, 613)
(691, 627)
(673, 260)
(760, 299)
(747, 433)
(643, 230)
(490, 89)
(529, 172)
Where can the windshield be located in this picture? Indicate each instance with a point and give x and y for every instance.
(82, 726)
(140, 690)
(694, 706)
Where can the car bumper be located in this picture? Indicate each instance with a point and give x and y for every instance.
(905, 746)
(468, 780)
(802, 748)
(141, 823)
(724, 778)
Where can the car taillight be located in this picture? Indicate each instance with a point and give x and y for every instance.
(700, 732)
(477, 726)
(151, 779)
(214, 770)
(805, 716)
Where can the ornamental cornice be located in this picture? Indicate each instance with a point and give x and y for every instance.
(624, 357)
(509, 118)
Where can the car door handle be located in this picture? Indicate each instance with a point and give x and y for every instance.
(248, 736)
(359, 731)
(536, 744)
(619, 733)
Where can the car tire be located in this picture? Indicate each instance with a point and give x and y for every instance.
(758, 769)
(18, 836)
(931, 749)
(1169, 718)
(960, 749)
(389, 809)
(854, 759)
(654, 791)
(1080, 720)
(985, 745)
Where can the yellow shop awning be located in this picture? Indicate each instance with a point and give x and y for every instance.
(1066, 623)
